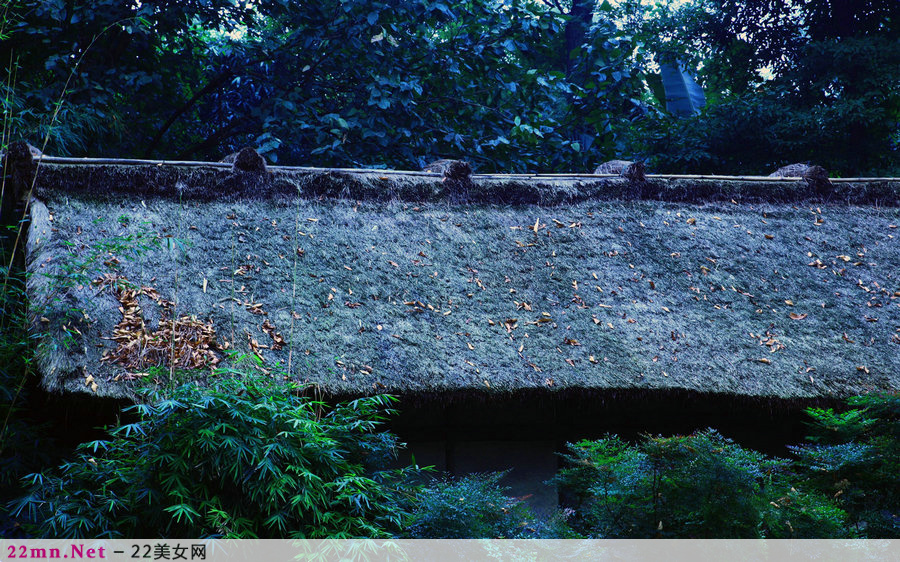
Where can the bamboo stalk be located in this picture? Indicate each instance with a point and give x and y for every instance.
(127, 162)
(573, 176)
(224, 165)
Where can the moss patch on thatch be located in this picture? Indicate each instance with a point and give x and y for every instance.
(376, 283)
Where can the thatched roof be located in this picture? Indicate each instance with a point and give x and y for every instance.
(373, 281)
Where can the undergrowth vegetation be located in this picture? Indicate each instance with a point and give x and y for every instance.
(854, 456)
(698, 486)
(843, 483)
(475, 506)
(247, 458)
(25, 444)
(236, 459)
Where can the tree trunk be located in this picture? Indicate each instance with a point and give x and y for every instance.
(576, 33)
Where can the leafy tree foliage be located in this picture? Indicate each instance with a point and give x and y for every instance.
(347, 82)
(512, 85)
(697, 486)
(238, 460)
(791, 81)
(114, 63)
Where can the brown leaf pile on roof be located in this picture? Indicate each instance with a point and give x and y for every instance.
(187, 342)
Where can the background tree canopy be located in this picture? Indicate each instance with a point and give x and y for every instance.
(511, 85)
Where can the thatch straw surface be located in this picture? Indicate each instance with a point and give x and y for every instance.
(370, 282)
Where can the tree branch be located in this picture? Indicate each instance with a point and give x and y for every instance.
(214, 138)
(554, 4)
(213, 84)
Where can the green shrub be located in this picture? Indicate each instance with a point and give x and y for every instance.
(855, 457)
(473, 507)
(794, 514)
(697, 486)
(241, 459)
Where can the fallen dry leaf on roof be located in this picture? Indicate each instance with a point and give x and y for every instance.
(277, 340)
(255, 308)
